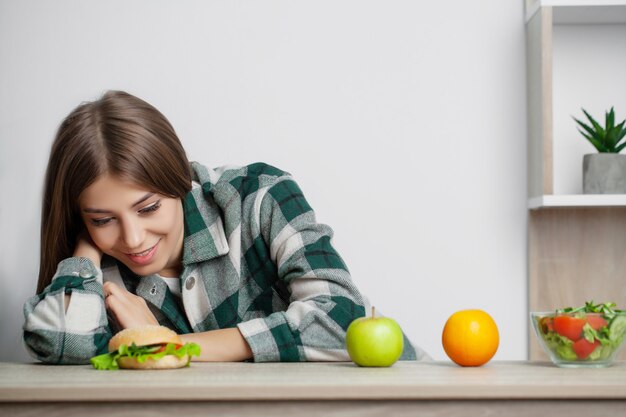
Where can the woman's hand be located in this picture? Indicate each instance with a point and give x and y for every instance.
(87, 249)
(128, 309)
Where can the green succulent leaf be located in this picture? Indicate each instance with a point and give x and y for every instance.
(611, 139)
(605, 139)
(621, 132)
(596, 125)
(586, 127)
(596, 143)
(620, 147)
(609, 119)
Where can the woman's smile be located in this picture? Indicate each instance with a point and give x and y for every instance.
(144, 257)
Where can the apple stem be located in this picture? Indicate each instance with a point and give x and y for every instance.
(373, 312)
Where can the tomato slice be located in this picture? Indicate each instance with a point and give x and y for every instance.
(570, 327)
(584, 348)
(162, 348)
(596, 321)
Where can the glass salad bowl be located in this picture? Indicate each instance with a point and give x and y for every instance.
(589, 336)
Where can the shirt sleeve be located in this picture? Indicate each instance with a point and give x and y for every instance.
(54, 335)
(323, 299)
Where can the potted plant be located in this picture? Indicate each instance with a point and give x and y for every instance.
(605, 171)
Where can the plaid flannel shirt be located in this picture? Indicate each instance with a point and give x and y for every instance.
(253, 257)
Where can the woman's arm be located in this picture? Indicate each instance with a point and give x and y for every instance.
(224, 345)
(60, 333)
(130, 310)
(85, 248)
(322, 298)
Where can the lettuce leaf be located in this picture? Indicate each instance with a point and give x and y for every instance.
(108, 361)
(560, 345)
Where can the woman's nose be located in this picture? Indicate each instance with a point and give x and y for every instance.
(132, 234)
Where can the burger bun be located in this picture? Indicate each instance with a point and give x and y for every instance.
(166, 362)
(146, 336)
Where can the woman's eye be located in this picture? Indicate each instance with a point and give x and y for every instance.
(100, 222)
(152, 207)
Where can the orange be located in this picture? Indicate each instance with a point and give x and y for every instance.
(470, 337)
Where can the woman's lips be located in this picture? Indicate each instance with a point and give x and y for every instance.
(145, 257)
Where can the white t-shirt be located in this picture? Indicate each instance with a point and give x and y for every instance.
(173, 284)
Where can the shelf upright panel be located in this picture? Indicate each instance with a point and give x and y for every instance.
(539, 93)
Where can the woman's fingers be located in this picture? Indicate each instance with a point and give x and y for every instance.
(128, 309)
(110, 288)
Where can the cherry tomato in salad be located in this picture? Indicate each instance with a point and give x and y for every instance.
(570, 327)
(583, 348)
(596, 321)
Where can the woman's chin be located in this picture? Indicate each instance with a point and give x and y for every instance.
(141, 270)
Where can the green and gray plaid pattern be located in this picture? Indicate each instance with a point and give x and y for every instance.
(254, 257)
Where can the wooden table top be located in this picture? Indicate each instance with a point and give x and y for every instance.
(21, 382)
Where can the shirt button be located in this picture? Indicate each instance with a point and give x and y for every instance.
(85, 274)
(191, 281)
(153, 290)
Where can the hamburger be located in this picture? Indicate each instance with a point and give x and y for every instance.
(148, 347)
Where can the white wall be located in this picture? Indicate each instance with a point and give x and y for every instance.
(403, 121)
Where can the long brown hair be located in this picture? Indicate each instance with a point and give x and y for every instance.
(118, 134)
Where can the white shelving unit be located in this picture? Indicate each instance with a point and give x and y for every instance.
(580, 11)
(542, 16)
(577, 200)
(576, 243)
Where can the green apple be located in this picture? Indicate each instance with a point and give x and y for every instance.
(374, 341)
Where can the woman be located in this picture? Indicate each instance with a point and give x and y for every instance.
(133, 234)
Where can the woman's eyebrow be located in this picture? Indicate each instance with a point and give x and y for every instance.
(141, 200)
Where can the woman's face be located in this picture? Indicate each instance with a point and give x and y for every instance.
(143, 230)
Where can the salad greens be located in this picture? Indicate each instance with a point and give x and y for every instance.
(607, 309)
(593, 332)
(108, 361)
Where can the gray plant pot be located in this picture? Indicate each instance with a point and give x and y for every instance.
(604, 173)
